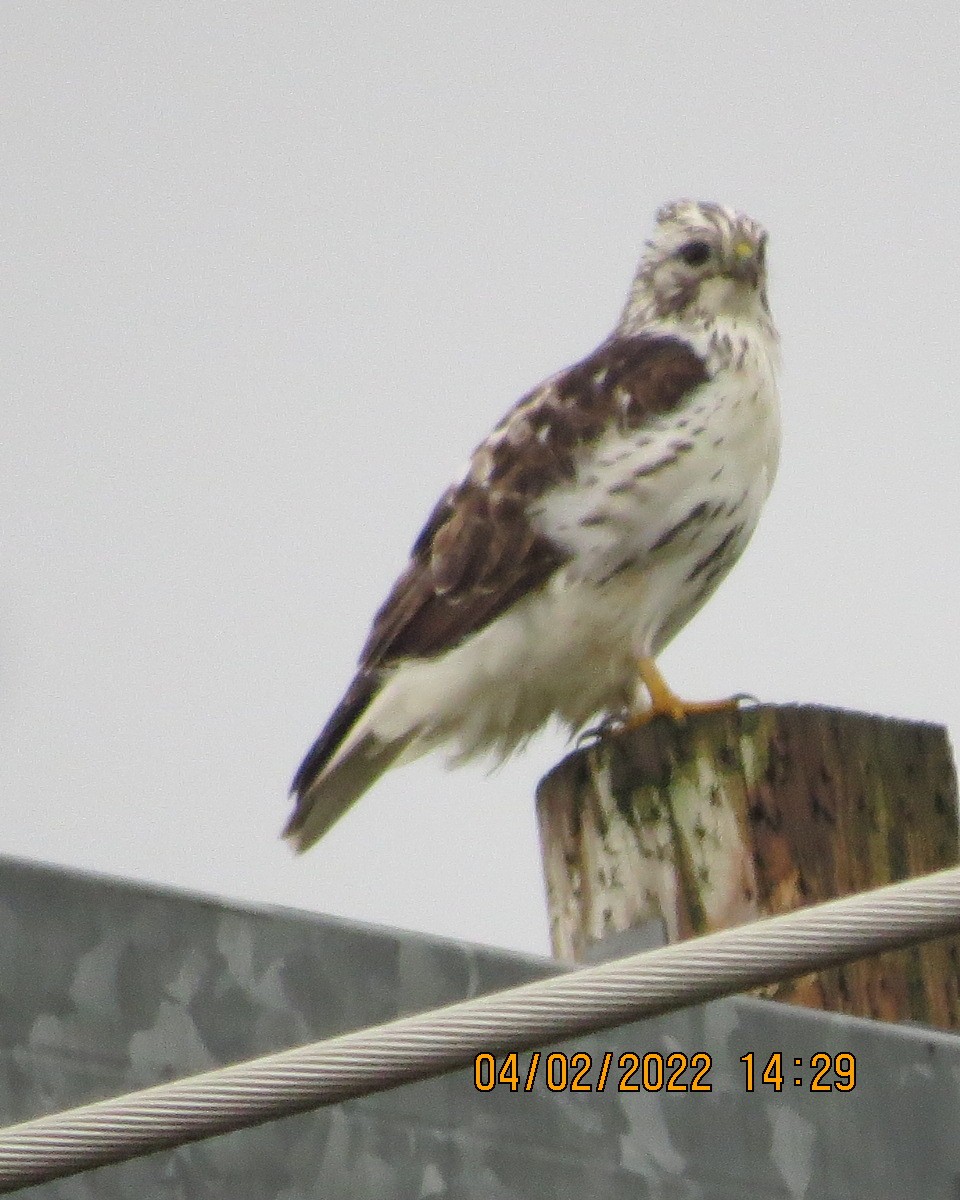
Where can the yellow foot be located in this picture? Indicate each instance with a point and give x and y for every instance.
(664, 702)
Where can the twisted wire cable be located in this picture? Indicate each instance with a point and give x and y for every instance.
(431, 1043)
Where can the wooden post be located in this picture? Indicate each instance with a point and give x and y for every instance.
(741, 814)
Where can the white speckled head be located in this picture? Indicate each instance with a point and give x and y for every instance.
(703, 261)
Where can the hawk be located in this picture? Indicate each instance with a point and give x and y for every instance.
(589, 527)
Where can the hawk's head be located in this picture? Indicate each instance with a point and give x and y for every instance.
(703, 261)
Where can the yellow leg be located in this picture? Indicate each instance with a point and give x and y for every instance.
(665, 703)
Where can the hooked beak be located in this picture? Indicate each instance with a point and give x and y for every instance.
(746, 263)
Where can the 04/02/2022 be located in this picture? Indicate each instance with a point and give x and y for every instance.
(582, 1071)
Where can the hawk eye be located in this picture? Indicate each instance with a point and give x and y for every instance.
(695, 254)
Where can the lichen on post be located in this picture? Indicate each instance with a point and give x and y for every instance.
(744, 813)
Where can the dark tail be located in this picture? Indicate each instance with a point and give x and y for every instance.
(326, 785)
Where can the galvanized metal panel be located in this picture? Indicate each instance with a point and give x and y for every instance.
(107, 986)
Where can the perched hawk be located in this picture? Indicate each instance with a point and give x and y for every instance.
(590, 526)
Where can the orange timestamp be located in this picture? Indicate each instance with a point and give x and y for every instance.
(582, 1071)
(820, 1072)
(585, 1072)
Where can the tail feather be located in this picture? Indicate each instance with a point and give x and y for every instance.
(338, 768)
(351, 708)
(323, 801)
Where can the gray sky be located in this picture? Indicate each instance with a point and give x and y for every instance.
(270, 271)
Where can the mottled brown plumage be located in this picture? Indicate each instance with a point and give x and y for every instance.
(590, 525)
(478, 552)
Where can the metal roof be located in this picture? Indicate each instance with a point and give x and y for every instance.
(106, 986)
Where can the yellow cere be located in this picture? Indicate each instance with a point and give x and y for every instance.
(743, 249)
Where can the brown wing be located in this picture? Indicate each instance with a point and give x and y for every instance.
(479, 553)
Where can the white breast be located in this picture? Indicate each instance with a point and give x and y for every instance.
(657, 502)
(570, 648)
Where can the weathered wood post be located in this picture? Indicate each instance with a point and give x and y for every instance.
(741, 814)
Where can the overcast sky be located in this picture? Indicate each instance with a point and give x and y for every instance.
(270, 271)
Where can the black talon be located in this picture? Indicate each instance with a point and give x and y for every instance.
(611, 723)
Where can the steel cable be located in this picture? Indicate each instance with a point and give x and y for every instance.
(430, 1043)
